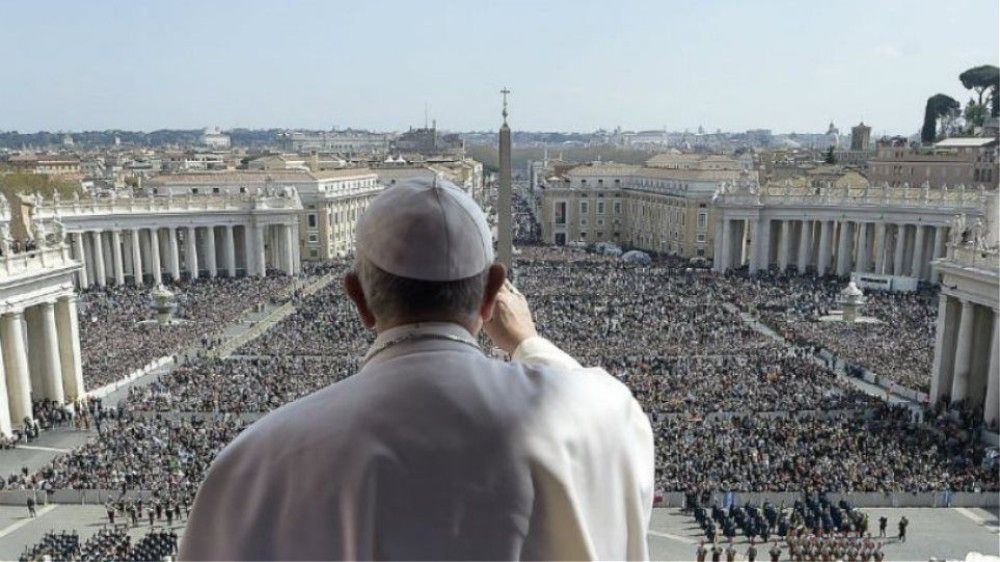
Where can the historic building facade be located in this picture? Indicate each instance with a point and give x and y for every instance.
(331, 200)
(966, 362)
(664, 206)
(839, 230)
(39, 330)
(140, 240)
(970, 161)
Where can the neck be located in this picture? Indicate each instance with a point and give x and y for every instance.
(471, 325)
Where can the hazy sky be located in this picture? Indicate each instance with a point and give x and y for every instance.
(572, 65)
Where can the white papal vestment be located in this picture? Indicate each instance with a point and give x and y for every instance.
(435, 451)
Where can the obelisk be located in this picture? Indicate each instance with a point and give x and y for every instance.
(505, 233)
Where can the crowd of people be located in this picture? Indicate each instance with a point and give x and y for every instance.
(323, 324)
(732, 409)
(109, 543)
(115, 340)
(899, 345)
(163, 454)
(242, 384)
(880, 451)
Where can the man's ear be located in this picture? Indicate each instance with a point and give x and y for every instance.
(353, 287)
(494, 282)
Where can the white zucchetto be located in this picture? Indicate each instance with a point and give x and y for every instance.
(425, 229)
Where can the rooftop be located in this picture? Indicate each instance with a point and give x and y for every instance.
(966, 142)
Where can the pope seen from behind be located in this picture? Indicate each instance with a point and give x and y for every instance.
(434, 450)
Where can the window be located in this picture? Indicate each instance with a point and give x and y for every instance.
(702, 220)
(312, 220)
(600, 207)
(583, 236)
(313, 238)
(600, 222)
(618, 207)
(313, 253)
(583, 221)
(584, 208)
(701, 238)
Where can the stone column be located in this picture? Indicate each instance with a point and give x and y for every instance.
(289, 253)
(116, 257)
(260, 257)
(944, 347)
(296, 248)
(897, 261)
(248, 252)
(844, 249)
(824, 248)
(81, 254)
(68, 330)
(717, 246)
(213, 270)
(175, 255)
(917, 265)
(50, 352)
(991, 406)
(963, 353)
(15, 360)
(6, 428)
(154, 256)
(938, 251)
(136, 258)
(229, 250)
(757, 260)
(727, 246)
(939, 239)
(191, 258)
(879, 245)
(784, 245)
(862, 260)
(805, 241)
(99, 259)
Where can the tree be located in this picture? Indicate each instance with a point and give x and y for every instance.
(975, 114)
(983, 79)
(938, 106)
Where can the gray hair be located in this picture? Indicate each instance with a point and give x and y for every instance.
(391, 297)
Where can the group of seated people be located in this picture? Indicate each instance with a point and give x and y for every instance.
(109, 543)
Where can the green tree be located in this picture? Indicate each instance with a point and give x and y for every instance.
(983, 79)
(975, 114)
(938, 106)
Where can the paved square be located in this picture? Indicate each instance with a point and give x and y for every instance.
(940, 533)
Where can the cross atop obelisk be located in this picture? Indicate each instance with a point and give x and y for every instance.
(504, 91)
(505, 196)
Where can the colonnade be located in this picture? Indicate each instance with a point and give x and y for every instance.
(966, 364)
(39, 358)
(830, 246)
(139, 255)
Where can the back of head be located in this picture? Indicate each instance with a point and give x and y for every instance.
(423, 252)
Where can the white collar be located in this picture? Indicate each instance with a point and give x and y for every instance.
(419, 330)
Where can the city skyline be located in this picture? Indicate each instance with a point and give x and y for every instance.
(786, 66)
